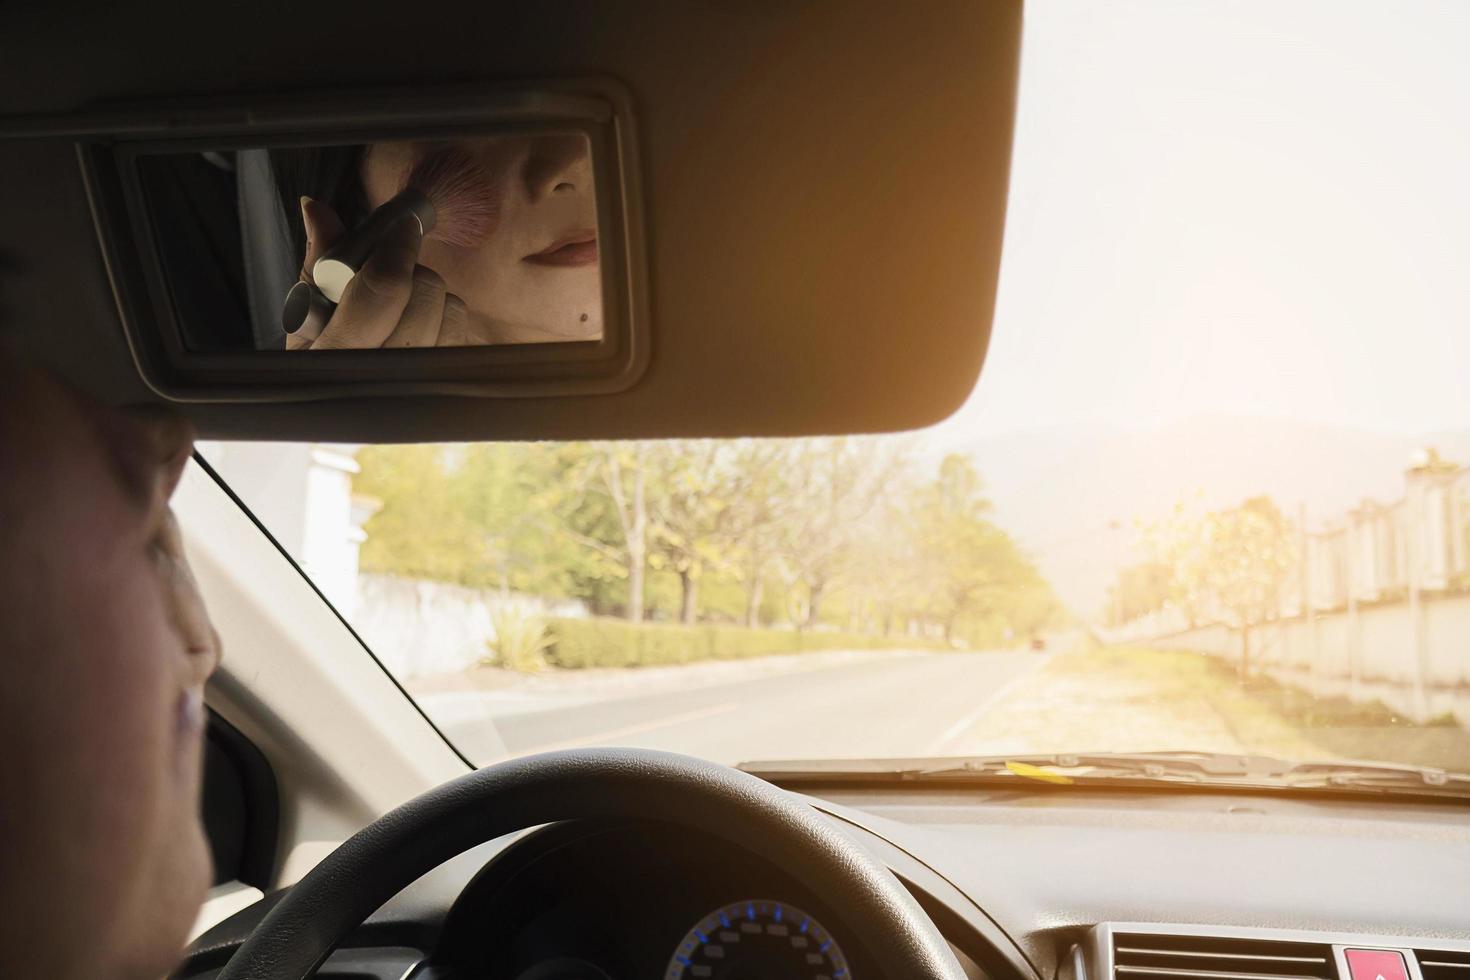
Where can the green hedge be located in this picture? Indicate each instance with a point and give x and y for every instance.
(577, 643)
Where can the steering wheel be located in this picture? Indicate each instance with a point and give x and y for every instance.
(380, 860)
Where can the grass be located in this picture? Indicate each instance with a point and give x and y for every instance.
(1273, 718)
(521, 639)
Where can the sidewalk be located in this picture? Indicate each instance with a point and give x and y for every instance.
(1121, 701)
(484, 691)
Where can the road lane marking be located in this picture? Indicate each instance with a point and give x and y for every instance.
(638, 729)
(969, 718)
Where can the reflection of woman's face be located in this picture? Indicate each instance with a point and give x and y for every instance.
(534, 276)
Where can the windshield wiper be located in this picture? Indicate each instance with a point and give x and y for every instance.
(1370, 775)
(1124, 768)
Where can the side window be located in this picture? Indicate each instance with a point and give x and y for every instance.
(241, 813)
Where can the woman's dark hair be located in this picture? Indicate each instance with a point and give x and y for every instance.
(331, 174)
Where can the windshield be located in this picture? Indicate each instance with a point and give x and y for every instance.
(1209, 496)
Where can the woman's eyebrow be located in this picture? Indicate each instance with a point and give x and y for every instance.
(146, 456)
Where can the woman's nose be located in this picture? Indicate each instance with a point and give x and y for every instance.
(557, 165)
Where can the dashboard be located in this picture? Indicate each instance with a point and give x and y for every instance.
(580, 902)
(1025, 885)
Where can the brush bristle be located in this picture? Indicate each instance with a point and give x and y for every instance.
(463, 195)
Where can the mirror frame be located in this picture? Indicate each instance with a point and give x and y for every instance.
(109, 147)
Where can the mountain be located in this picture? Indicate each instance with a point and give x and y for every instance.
(1073, 495)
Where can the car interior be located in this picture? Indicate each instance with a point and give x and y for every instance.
(798, 212)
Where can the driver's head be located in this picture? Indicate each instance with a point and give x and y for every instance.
(106, 646)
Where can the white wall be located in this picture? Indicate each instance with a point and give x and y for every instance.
(1368, 655)
(331, 540)
(418, 627)
(302, 493)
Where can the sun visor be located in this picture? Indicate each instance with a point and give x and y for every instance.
(608, 220)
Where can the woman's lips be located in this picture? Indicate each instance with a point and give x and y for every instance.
(579, 248)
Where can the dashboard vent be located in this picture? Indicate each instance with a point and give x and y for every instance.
(1436, 964)
(1144, 956)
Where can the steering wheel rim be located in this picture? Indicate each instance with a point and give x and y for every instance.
(336, 896)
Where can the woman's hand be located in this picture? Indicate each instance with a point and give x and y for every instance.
(391, 302)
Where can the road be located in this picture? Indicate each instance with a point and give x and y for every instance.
(911, 704)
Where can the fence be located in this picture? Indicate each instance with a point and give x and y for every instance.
(1416, 545)
(1365, 655)
(1379, 609)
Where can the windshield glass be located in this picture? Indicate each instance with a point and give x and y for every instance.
(1210, 494)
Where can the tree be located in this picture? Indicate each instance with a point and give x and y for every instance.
(1231, 563)
(836, 483)
(887, 581)
(605, 510)
(620, 526)
(1248, 553)
(757, 488)
(1177, 542)
(416, 530)
(689, 508)
(971, 568)
(506, 494)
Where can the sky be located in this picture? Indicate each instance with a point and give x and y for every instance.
(1254, 208)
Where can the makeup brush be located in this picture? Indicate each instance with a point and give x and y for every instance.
(447, 191)
(452, 198)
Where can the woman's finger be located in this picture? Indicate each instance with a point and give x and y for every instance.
(323, 228)
(373, 302)
(419, 326)
(454, 330)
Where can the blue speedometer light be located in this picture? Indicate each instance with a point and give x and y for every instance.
(756, 939)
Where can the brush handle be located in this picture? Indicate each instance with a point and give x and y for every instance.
(306, 311)
(335, 269)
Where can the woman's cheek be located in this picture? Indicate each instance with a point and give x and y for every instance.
(456, 265)
(154, 657)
